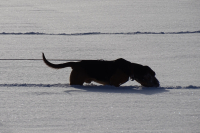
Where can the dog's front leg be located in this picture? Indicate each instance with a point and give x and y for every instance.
(118, 78)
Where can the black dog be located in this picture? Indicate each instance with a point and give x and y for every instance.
(114, 72)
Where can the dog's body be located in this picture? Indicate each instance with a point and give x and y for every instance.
(113, 73)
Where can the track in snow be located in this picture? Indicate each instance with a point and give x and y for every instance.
(97, 33)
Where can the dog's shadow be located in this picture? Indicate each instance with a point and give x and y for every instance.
(121, 89)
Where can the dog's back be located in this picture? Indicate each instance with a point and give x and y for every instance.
(103, 70)
(98, 69)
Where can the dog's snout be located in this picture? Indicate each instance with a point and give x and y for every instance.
(148, 81)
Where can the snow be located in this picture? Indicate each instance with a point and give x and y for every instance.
(161, 34)
(99, 109)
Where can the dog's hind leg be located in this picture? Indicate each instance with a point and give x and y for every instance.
(78, 76)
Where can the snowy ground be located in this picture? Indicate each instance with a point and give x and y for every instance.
(38, 99)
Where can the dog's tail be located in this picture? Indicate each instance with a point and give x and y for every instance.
(57, 66)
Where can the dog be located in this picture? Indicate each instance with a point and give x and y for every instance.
(114, 73)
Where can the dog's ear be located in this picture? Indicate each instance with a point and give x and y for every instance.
(149, 70)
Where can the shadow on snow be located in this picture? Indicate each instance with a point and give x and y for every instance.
(105, 89)
(121, 89)
(128, 89)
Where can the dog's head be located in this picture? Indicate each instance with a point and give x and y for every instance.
(144, 75)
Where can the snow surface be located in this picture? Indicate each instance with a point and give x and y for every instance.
(162, 34)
